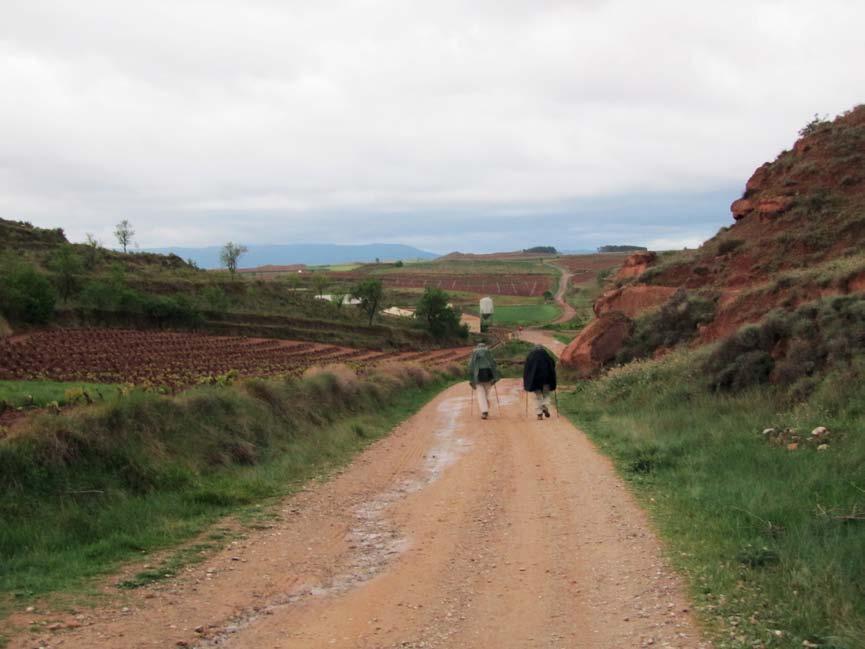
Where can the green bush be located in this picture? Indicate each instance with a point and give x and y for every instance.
(215, 298)
(67, 266)
(438, 317)
(25, 295)
(677, 321)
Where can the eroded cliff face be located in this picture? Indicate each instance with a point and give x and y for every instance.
(797, 234)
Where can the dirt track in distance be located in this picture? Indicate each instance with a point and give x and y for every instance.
(452, 532)
(568, 312)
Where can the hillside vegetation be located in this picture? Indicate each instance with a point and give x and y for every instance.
(45, 279)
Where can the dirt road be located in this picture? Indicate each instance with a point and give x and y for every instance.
(568, 312)
(453, 532)
(545, 338)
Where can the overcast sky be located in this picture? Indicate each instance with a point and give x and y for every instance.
(490, 124)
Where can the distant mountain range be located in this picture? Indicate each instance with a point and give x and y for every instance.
(311, 254)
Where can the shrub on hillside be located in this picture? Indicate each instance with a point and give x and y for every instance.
(25, 295)
(729, 245)
(215, 298)
(790, 347)
(676, 322)
(67, 267)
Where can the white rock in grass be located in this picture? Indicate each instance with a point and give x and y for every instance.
(819, 431)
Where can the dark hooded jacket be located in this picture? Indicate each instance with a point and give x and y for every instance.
(539, 370)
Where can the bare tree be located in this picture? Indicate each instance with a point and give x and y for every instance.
(124, 234)
(370, 293)
(231, 252)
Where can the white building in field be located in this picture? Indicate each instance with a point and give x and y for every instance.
(398, 312)
(346, 299)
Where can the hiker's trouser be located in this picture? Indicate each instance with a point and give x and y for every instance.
(483, 394)
(542, 398)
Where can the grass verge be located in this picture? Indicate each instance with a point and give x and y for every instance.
(771, 539)
(38, 394)
(83, 493)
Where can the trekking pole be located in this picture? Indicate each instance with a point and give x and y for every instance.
(471, 401)
(527, 404)
(498, 401)
(556, 392)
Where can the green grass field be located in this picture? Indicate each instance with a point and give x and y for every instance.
(337, 268)
(527, 315)
(771, 539)
(524, 314)
(41, 393)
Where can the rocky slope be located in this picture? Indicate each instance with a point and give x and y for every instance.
(798, 234)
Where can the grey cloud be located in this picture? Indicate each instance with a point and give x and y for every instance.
(265, 119)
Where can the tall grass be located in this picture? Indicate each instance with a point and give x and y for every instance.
(80, 494)
(759, 530)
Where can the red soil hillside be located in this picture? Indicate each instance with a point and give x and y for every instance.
(798, 234)
(805, 208)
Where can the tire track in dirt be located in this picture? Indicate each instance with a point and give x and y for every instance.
(452, 532)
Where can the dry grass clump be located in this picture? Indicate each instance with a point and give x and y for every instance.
(403, 374)
(455, 370)
(344, 377)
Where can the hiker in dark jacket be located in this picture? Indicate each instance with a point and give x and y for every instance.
(483, 374)
(539, 377)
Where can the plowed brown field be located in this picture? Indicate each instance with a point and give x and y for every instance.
(174, 359)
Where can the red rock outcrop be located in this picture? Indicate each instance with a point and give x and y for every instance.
(635, 265)
(632, 300)
(598, 343)
(758, 179)
(742, 208)
(770, 206)
(774, 205)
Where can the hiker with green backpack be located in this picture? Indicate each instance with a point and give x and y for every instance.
(483, 374)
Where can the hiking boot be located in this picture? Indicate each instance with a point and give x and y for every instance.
(540, 417)
(484, 415)
(546, 411)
